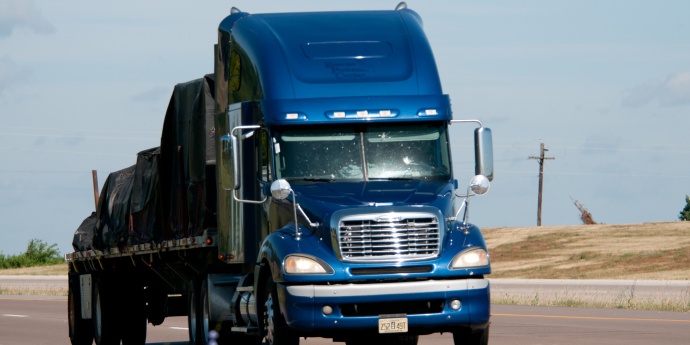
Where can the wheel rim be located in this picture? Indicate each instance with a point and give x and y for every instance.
(269, 318)
(71, 313)
(205, 316)
(97, 315)
(193, 331)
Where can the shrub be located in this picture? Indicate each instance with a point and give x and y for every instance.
(38, 253)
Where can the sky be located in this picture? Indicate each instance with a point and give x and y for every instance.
(605, 85)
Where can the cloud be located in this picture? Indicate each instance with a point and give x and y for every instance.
(154, 94)
(22, 13)
(9, 73)
(672, 91)
(606, 144)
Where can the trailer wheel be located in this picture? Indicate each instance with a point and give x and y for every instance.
(106, 329)
(276, 330)
(194, 316)
(204, 316)
(134, 324)
(468, 337)
(80, 330)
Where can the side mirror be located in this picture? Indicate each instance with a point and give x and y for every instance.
(229, 176)
(483, 153)
(280, 189)
(479, 185)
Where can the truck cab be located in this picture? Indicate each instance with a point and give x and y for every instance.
(334, 150)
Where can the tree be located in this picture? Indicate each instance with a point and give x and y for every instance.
(41, 253)
(38, 253)
(685, 213)
(585, 215)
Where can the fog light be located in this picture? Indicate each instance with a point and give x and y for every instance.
(455, 304)
(327, 310)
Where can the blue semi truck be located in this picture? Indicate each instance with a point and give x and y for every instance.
(304, 189)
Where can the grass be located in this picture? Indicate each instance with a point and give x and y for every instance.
(648, 251)
(33, 292)
(654, 251)
(624, 300)
(50, 270)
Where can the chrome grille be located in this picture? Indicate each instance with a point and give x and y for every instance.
(390, 236)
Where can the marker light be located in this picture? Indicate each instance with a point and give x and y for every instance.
(363, 113)
(291, 116)
(430, 112)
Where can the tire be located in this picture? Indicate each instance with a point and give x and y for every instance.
(194, 320)
(106, 328)
(204, 314)
(467, 337)
(156, 308)
(80, 330)
(275, 329)
(134, 323)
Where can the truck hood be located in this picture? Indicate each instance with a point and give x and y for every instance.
(321, 199)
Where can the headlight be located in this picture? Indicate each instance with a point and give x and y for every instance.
(299, 264)
(476, 257)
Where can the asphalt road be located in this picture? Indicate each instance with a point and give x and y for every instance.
(42, 320)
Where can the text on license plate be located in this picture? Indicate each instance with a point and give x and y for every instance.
(393, 325)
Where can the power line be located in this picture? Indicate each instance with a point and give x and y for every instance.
(541, 160)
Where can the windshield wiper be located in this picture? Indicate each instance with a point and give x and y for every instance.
(318, 179)
(400, 178)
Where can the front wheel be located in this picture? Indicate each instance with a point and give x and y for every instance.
(479, 337)
(276, 330)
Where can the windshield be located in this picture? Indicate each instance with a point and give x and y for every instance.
(362, 153)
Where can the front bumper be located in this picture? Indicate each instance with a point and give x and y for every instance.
(303, 305)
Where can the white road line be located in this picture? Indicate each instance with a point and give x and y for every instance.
(180, 328)
(14, 315)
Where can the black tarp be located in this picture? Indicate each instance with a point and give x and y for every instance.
(83, 237)
(145, 227)
(187, 144)
(170, 192)
(114, 209)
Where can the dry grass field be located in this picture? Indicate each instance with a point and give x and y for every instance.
(648, 251)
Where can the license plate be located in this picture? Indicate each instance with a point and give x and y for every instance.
(392, 324)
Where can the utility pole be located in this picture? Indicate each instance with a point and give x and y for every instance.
(541, 160)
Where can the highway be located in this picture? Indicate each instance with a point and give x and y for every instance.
(26, 320)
